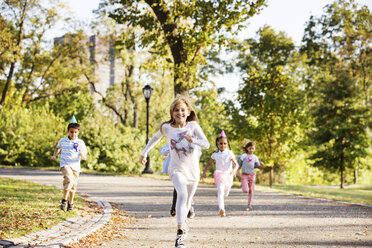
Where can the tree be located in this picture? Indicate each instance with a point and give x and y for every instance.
(26, 22)
(183, 28)
(340, 133)
(343, 32)
(136, 67)
(338, 51)
(270, 96)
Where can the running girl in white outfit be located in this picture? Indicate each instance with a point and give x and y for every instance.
(184, 134)
(223, 175)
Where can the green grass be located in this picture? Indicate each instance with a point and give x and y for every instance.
(27, 207)
(355, 193)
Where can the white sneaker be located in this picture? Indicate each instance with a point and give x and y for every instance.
(180, 240)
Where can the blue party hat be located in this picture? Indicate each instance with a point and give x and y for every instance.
(73, 120)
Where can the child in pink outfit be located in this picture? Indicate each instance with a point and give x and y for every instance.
(223, 175)
(248, 162)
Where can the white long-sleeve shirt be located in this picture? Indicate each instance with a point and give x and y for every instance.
(184, 156)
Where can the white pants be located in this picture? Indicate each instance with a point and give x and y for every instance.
(221, 193)
(185, 192)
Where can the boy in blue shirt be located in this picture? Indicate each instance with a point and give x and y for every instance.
(72, 150)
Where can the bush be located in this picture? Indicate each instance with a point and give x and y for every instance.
(28, 136)
(114, 147)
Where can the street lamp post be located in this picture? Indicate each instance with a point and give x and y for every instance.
(147, 92)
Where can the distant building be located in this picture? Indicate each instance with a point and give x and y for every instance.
(108, 69)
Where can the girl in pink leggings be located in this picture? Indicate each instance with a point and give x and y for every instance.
(248, 162)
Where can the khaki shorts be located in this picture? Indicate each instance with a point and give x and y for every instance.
(70, 178)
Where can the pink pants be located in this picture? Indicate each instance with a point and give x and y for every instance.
(248, 181)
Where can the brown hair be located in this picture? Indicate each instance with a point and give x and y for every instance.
(249, 144)
(73, 125)
(178, 100)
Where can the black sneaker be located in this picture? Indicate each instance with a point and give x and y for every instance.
(180, 240)
(70, 207)
(191, 213)
(173, 212)
(63, 205)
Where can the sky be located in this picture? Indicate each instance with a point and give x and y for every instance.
(289, 16)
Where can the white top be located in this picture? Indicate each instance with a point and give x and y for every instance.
(223, 160)
(70, 155)
(248, 162)
(184, 156)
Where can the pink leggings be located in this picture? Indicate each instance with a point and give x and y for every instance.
(248, 181)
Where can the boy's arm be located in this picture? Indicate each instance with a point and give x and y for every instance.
(83, 154)
(55, 153)
(207, 167)
(83, 151)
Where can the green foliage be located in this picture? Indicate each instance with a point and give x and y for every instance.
(270, 98)
(337, 48)
(78, 102)
(182, 29)
(28, 136)
(340, 132)
(27, 62)
(111, 148)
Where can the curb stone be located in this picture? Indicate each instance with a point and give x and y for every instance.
(64, 233)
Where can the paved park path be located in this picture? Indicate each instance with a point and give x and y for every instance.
(277, 220)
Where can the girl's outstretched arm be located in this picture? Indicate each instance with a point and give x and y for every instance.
(152, 142)
(207, 167)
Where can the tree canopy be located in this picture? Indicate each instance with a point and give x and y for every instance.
(183, 29)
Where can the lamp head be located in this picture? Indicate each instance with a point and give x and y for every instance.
(147, 91)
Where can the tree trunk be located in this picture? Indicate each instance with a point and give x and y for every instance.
(180, 90)
(356, 174)
(175, 43)
(342, 171)
(8, 80)
(271, 176)
(12, 66)
(135, 115)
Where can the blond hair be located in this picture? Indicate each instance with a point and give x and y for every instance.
(177, 101)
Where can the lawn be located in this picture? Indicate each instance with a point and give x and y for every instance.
(354, 193)
(27, 207)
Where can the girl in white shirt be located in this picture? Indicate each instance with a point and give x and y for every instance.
(184, 134)
(223, 175)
